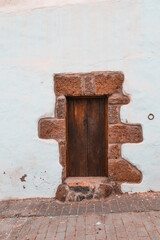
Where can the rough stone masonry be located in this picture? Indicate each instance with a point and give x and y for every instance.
(95, 84)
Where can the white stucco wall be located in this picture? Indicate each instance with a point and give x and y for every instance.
(78, 36)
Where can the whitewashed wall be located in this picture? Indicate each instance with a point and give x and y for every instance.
(35, 43)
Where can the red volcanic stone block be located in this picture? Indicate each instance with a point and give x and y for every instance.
(113, 114)
(51, 128)
(68, 84)
(108, 82)
(60, 110)
(114, 151)
(89, 86)
(105, 190)
(62, 192)
(124, 133)
(123, 171)
(118, 98)
(62, 154)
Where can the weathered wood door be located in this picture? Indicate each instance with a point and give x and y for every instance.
(87, 137)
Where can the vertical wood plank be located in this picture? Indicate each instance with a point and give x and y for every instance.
(106, 137)
(77, 137)
(96, 137)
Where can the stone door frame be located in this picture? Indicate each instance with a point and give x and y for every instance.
(106, 83)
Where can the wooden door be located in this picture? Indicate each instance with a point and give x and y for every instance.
(87, 137)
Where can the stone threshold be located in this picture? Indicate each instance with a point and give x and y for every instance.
(80, 188)
(85, 181)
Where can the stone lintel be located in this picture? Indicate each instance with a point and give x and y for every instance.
(88, 84)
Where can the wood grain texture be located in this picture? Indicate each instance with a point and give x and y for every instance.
(86, 125)
(77, 137)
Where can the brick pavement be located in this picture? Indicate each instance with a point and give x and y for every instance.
(119, 217)
(50, 207)
(115, 226)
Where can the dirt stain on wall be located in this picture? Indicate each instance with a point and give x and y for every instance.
(23, 178)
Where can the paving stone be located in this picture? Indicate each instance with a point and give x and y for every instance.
(128, 223)
(155, 218)
(106, 207)
(57, 210)
(119, 228)
(52, 228)
(114, 206)
(82, 208)
(132, 235)
(74, 209)
(16, 228)
(90, 237)
(14, 208)
(60, 236)
(90, 225)
(51, 209)
(154, 235)
(62, 224)
(33, 230)
(33, 208)
(42, 229)
(3, 206)
(80, 235)
(66, 209)
(71, 228)
(80, 226)
(111, 236)
(26, 228)
(90, 207)
(144, 238)
(100, 228)
(6, 227)
(98, 207)
(42, 209)
(109, 227)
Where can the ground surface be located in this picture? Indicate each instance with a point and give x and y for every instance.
(133, 217)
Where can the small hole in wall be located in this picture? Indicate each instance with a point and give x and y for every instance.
(150, 116)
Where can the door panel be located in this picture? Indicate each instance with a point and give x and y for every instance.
(96, 137)
(77, 137)
(86, 136)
